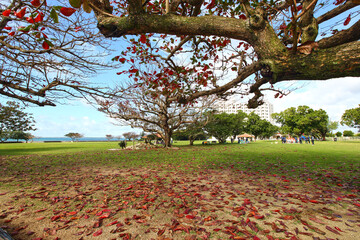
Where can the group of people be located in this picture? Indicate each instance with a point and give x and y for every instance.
(306, 139)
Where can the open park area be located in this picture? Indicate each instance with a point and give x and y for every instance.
(260, 190)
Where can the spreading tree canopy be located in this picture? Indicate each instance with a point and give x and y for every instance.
(275, 40)
(304, 120)
(47, 52)
(212, 46)
(351, 117)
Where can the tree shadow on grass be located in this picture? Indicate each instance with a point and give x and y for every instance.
(31, 151)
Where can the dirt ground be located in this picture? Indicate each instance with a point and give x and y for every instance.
(110, 203)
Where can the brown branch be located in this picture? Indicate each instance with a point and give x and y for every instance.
(336, 11)
(349, 35)
(246, 72)
(26, 99)
(306, 9)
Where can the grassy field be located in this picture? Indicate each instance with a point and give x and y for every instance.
(342, 159)
(261, 189)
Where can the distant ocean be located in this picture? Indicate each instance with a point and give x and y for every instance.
(65, 139)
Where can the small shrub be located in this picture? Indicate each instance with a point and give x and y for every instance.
(122, 144)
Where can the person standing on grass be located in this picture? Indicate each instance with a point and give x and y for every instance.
(312, 140)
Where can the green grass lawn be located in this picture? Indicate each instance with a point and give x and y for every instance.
(339, 161)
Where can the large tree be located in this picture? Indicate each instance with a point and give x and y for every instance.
(259, 127)
(351, 117)
(238, 123)
(224, 42)
(47, 55)
(303, 120)
(74, 136)
(153, 110)
(14, 119)
(220, 126)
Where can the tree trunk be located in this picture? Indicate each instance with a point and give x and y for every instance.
(323, 137)
(167, 140)
(167, 136)
(191, 141)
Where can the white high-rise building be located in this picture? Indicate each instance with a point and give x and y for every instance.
(264, 111)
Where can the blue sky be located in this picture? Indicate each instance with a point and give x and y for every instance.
(334, 96)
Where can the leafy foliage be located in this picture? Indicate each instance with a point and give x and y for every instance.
(259, 127)
(220, 126)
(348, 133)
(14, 119)
(21, 135)
(303, 120)
(351, 117)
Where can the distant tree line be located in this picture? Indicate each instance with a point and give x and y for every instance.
(305, 120)
(225, 125)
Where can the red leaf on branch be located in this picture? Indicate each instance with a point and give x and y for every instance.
(45, 45)
(30, 20)
(347, 20)
(6, 13)
(35, 3)
(242, 16)
(298, 8)
(276, 95)
(11, 33)
(131, 71)
(143, 38)
(122, 60)
(21, 13)
(39, 17)
(283, 26)
(67, 11)
(211, 5)
(338, 2)
(7, 28)
(97, 233)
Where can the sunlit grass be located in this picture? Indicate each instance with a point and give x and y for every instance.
(335, 160)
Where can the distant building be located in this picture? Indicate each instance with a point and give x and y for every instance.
(264, 111)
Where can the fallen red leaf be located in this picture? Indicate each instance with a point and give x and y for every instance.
(332, 230)
(56, 217)
(97, 233)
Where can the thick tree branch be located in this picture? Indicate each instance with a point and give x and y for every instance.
(246, 72)
(336, 11)
(176, 25)
(346, 36)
